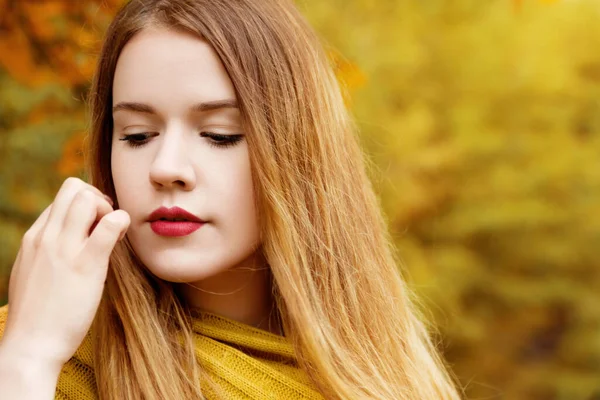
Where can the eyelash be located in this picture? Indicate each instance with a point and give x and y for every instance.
(220, 141)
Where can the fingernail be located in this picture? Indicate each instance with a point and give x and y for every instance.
(109, 200)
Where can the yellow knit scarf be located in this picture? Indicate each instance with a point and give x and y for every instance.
(247, 362)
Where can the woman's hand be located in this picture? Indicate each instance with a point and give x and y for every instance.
(59, 273)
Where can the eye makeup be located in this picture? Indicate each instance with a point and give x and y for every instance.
(217, 140)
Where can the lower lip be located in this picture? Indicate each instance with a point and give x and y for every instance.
(179, 228)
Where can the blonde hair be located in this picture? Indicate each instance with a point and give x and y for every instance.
(337, 287)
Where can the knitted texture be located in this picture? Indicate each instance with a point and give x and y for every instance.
(247, 362)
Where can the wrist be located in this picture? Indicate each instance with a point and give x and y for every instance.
(26, 362)
(26, 377)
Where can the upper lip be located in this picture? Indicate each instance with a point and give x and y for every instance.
(172, 213)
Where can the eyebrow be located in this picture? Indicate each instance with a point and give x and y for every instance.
(198, 107)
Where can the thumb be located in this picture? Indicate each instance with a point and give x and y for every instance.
(106, 234)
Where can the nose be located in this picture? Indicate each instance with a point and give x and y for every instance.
(171, 166)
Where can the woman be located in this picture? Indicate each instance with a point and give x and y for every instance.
(256, 261)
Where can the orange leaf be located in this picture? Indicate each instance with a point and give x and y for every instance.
(16, 57)
(71, 161)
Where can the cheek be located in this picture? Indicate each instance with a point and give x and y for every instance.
(239, 202)
(243, 200)
(124, 179)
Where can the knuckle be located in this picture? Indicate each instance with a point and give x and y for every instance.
(111, 225)
(71, 182)
(93, 189)
(37, 241)
(85, 196)
(90, 186)
(29, 238)
(46, 242)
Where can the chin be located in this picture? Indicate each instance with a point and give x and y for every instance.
(178, 276)
(180, 271)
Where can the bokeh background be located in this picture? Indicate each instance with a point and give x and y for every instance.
(482, 118)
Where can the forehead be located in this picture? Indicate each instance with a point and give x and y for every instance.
(169, 69)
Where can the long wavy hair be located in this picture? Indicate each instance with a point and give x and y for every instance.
(338, 289)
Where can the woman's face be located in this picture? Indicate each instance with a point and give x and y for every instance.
(171, 96)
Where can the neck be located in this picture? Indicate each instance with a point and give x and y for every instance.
(242, 293)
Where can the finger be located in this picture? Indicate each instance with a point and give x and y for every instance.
(34, 230)
(29, 239)
(102, 241)
(14, 275)
(86, 185)
(84, 211)
(62, 203)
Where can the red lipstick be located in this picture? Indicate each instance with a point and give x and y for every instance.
(174, 221)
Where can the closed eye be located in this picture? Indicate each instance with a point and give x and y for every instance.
(136, 140)
(218, 140)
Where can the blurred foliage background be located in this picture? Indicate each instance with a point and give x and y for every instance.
(483, 119)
